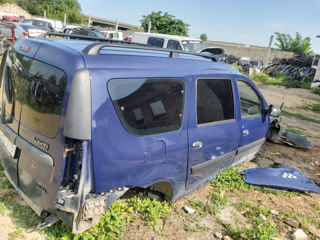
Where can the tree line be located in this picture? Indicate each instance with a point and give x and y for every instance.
(160, 22)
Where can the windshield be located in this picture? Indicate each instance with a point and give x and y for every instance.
(26, 26)
(193, 46)
(99, 35)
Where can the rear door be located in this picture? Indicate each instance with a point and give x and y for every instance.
(254, 122)
(213, 130)
(33, 94)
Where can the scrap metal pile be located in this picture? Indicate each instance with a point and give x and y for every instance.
(298, 69)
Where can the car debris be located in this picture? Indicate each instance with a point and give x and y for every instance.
(281, 179)
(189, 210)
(276, 135)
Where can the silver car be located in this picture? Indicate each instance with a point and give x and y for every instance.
(33, 31)
(18, 30)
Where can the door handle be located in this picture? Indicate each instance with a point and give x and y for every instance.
(197, 144)
(245, 132)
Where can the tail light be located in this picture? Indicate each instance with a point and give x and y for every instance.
(25, 34)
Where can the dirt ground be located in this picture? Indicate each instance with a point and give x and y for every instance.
(303, 208)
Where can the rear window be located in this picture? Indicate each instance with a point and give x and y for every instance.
(40, 88)
(148, 106)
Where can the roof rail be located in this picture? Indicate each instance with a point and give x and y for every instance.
(95, 48)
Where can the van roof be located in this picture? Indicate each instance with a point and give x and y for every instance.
(115, 57)
(174, 37)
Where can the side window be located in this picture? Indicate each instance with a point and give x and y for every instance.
(172, 44)
(214, 100)
(156, 41)
(250, 101)
(148, 106)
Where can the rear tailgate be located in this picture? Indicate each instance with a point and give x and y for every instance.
(32, 141)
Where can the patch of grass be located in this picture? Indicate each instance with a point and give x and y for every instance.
(316, 90)
(288, 214)
(295, 129)
(256, 211)
(151, 210)
(16, 234)
(313, 107)
(259, 230)
(299, 116)
(315, 206)
(218, 203)
(3, 208)
(197, 204)
(242, 205)
(112, 225)
(231, 178)
(24, 214)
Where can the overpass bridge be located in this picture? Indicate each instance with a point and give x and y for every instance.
(107, 23)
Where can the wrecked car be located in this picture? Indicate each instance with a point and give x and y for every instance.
(83, 122)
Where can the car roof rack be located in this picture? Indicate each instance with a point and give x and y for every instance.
(95, 48)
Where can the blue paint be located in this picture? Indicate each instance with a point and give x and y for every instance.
(280, 178)
(117, 158)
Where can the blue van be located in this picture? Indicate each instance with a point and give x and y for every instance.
(83, 122)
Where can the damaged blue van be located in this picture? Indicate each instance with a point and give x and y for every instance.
(82, 122)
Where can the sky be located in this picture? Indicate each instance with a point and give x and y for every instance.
(241, 21)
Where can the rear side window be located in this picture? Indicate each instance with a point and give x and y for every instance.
(250, 101)
(214, 100)
(148, 106)
(172, 44)
(155, 41)
(39, 88)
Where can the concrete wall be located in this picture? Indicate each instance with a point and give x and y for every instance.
(253, 52)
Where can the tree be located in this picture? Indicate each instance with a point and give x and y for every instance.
(203, 37)
(297, 44)
(164, 23)
(54, 9)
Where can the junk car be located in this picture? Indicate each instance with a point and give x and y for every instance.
(82, 122)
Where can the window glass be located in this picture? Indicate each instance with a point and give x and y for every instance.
(148, 106)
(156, 41)
(40, 89)
(214, 100)
(172, 44)
(250, 101)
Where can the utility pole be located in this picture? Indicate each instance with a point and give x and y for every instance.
(65, 19)
(266, 60)
(117, 25)
(89, 21)
(149, 26)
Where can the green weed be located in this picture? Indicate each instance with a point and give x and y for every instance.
(299, 116)
(256, 211)
(231, 178)
(24, 214)
(259, 231)
(112, 226)
(219, 203)
(3, 208)
(242, 205)
(313, 107)
(16, 234)
(151, 210)
(294, 129)
(198, 205)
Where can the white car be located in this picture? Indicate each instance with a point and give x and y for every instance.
(186, 44)
(33, 31)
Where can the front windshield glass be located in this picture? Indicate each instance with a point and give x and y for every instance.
(193, 46)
